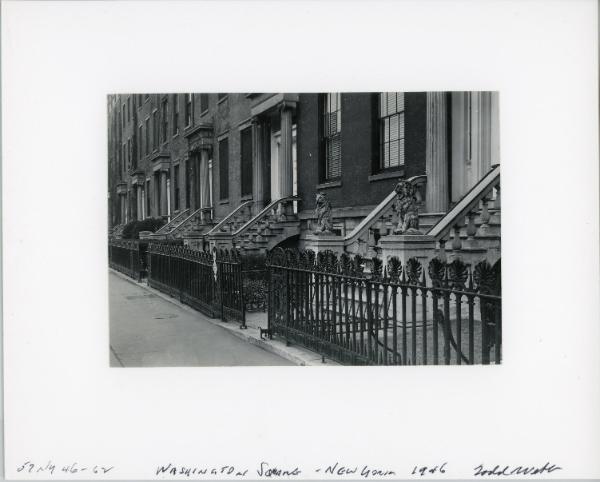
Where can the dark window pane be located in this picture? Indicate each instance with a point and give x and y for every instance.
(175, 114)
(155, 130)
(148, 200)
(188, 176)
(224, 169)
(165, 120)
(176, 186)
(203, 102)
(246, 141)
(188, 109)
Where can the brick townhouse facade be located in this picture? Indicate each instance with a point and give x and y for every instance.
(244, 169)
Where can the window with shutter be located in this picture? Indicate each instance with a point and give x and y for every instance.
(224, 169)
(332, 128)
(391, 138)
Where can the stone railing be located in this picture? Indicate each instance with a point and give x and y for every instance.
(382, 217)
(270, 214)
(175, 221)
(234, 220)
(477, 202)
(192, 219)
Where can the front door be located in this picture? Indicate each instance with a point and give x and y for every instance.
(475, 139)
(275, 155)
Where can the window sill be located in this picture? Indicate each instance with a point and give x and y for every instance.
(396, 174)
(203, 113)
(247, 197)
(224, 201)
(329, 184)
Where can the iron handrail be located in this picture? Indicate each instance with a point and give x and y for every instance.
(227, 218)
(262, 214)
(180, 226)
(169, 226)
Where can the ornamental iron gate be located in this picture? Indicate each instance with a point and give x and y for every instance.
(209, 282)
(396, 315)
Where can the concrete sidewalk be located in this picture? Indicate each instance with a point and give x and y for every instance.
(149, 328)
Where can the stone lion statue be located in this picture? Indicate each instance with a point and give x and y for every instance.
(323, 212)
(407, 208)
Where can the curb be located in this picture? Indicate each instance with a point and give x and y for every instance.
(295, 354)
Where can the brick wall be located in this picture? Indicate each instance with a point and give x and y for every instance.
(355, 189)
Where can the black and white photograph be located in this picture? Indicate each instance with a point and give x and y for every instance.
(304, 228)
(271, 240)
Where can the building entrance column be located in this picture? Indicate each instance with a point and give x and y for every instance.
(140, 202)
(122, 208)
(258, 165)
(205, 186)
(436, 153)
(286, 162)
(191, 184)
(163, 193)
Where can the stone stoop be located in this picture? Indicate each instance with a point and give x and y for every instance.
(265, 236)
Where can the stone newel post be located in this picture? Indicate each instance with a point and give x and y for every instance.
(258, 188)
(163, 193)
(286, 163)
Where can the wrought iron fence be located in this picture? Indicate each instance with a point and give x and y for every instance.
(124, 256)
(393, 315)
(208, 282)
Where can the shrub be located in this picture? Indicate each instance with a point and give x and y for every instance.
(255, 294)
(255, 281)
(133, 228)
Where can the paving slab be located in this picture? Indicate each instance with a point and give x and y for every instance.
(149, 330)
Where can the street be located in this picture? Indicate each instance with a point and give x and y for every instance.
(148, 331)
